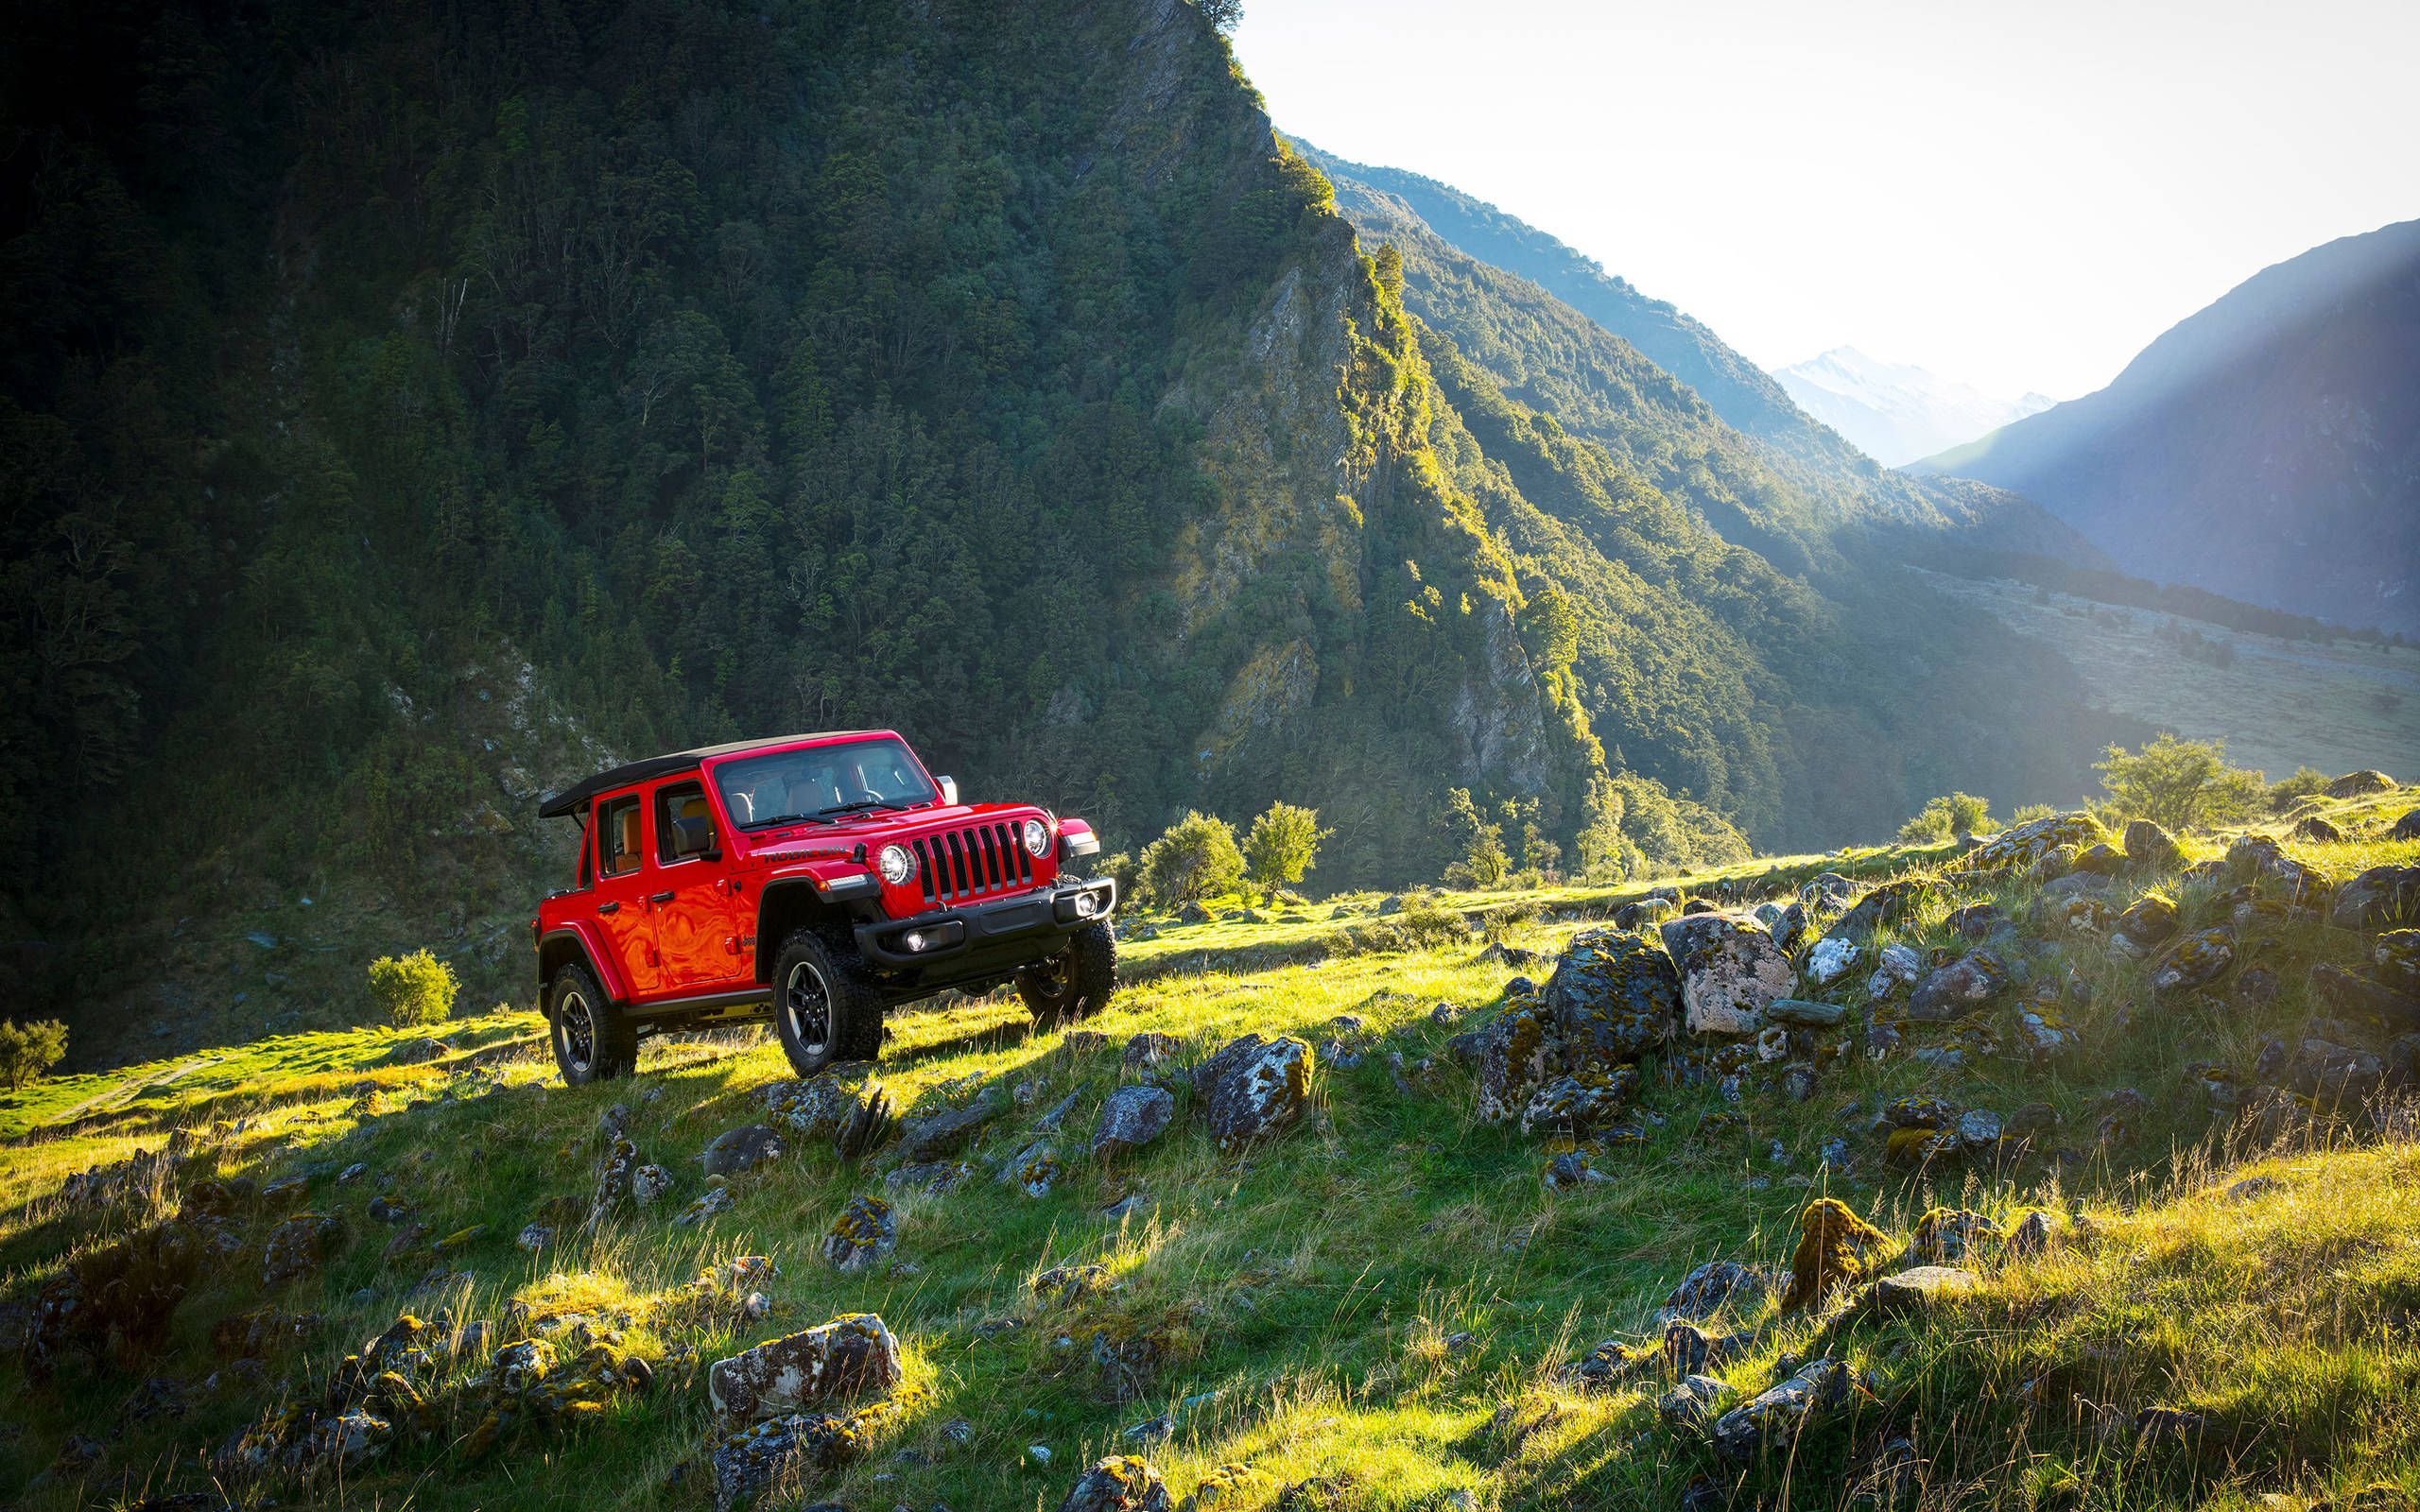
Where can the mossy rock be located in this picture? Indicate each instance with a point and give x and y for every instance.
(2150, 847)
(1836, 1247)
(1615, 996)
(2024, 847)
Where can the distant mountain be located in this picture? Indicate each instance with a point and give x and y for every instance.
(2267, 448)
(1895, 412)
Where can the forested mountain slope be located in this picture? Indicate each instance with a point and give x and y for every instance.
(2267, 448)
(408, 411)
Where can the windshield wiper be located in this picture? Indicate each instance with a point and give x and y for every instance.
(860, 806)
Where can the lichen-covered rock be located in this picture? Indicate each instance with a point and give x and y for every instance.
(1712, 1288)
(2332, 1073)
(2365, 992)
(343, 1443)
(1918, 1289)
(2099, 860)
(1071, 1284)
(1981, 922)
(1886, 905)
(1831, 958)
(2380, 898)
(1803, 1014)
(2195, 961)
(2395, 958)
(1774, 1419)
(866, 1231)
(2149, 848)
(1034, 1170)
(1146, 1050)
(1581, 1104)
(1255, 1088)
(2318, 830)
(1835, 1247)
(782, 1450)
(2361, 784)
(1644, 913)
(1692, 1404)
(1961, 987)
(1953, 1236)
(1613, 996)
(648, 1184)
(742, 1149)
(1729, 970)
(2257, 857)
(1612, 1364)
(1131, 1117)
(294, 1247)
(852, 1355)
(2024, 847)
(1122, 1483)
(1516, 1052)
(2149, 921)
(1898, 966)
(938, 1135)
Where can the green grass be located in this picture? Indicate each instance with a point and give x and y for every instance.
(1309, 1286)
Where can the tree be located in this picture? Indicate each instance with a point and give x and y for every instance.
(2180, 784)
(1602, 850)
(1283, 844)
(1224, 14)
(1193, 859)
(27, 1050)
(413, 990)
(1952, 814)
(1484, 862)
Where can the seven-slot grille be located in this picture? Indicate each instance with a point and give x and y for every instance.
(972, 862)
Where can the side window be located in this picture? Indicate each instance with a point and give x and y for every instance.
(617, 835)
(684, 827)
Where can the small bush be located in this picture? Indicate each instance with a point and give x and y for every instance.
(1128, 873)
(1283, 843)
(1951, 814)
(1194, 858)
(28, 1050)
(2307, 781)
(2032, 812)
(2181, 784)
(413, 990)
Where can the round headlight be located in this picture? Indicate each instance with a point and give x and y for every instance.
(898, 864)
(1037, 839)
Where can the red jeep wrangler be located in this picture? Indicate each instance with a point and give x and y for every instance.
(814, 880)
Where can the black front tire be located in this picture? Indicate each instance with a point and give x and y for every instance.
(591, 1044)
(1076, 983)
(824, 1010)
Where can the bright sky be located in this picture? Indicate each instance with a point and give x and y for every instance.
(2017, 197)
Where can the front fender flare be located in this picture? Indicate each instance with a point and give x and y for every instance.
(584, 938)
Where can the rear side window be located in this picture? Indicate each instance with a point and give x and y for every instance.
(684, 829)
(617, 835)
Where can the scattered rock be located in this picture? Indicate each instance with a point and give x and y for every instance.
(1146, 1050)
(1121, 1483)
(1775, 1418)
(1255, 1088)
(2361, 784)
(1831, 958)
(937, 1136)
(2380, 898)
(2318, 830)
(2194, 961)
(1835, 1247)
(2149, 848)
(1918, 1289)
(1961, 987)
(1805, 1014)
(852, 1355)
(1580, 1104)
(650, 1182)
(1131, 1118)
(1952, 1236)
(740, 1149)
(1711, 1288)
(1613, 996)
(2024, 847)
(866, 1231)
(294, 1247)
(1692, 1404)
(1730, 968)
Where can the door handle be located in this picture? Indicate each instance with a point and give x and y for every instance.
(608, 908)
(660, 898)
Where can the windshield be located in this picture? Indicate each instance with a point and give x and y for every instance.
(822, 782)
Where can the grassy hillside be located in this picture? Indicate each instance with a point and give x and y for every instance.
(2280, 704)
(1383, 1304)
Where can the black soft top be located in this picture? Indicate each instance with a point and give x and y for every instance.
(578, 797)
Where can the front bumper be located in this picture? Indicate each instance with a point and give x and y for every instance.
(996, 936)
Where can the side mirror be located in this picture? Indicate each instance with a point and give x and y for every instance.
(949, 790)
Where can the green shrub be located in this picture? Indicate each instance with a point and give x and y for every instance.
(413, 990)
(1193, 859)
(1283, 843)
(2307, 781)
(1951, 814)
(1127, 872)
(2032, 812)
(27, 1050)
(1485, 863)
(2182, 784)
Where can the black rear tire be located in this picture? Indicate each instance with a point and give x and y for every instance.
(824, 1009)
(1076, 983)
(591, 1044)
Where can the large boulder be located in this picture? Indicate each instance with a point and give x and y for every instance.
(1615, 996)
(2380, 898)
(1970, 983)
(1255, 1088)
(1729, 969)
(1131, 1117)
(2024, 847)
(852, 1355)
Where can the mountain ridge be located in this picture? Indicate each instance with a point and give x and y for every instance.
(1897, 412)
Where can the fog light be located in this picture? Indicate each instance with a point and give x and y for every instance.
(913, 940)
(1087, 905)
